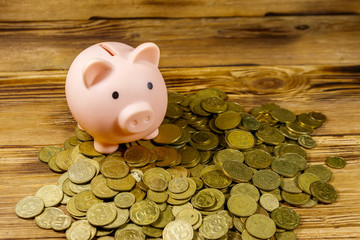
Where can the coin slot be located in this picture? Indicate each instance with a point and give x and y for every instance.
(109, 49)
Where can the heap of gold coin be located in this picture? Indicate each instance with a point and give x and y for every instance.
(213, 172)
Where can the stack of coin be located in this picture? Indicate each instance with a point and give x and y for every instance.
(213, 172)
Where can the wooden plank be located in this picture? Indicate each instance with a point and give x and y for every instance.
(34, 113)
(37, 10)
(323, 40)
(35, 101)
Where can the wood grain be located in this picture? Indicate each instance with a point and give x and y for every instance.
(323, 40)
(34, 114)
(37, 10)
(301, 54)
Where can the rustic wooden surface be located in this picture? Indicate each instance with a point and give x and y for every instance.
(303, 55)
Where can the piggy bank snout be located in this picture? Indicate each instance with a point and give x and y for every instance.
(136, 117)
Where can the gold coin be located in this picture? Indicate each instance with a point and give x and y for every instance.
(130, 234)
(78, 233)
(234, 106)
(204, 199)
(237, 171)
(283, 115)
(173, 158)
(247, 189)
(240, 139)
(101, 214)
(213, 176)
(178, 185)
(82, 135)
(138, 193)
(63, 160)
(76, 188)
(29, 207)
(295, 127)
(87, 148)
(295, 199)
(66, 188)
(266, 118)
(305, 180)
(241, 205)
(189, 215)
(227, 120)
(292, 148)
(189, 155)
(207, 229)
(285, 218)
(214, 105)
(306, 121)
(152, 232)
(204, 140)
(178, 230)
(227, 154)
(285, 168)
(306, 141)
(335, 162)
(121, 184)
(168, 133)
(269, 202)
(52, 165)
(290, 185)
(113, 168)
(287, 235)
(260, 226)
(321, 171)
(178, 208)
(317, 116)
(122, 217)
(157, 197)
(156, 172)
(137, 154)
(44, 219)
(270, 135)
(187, 194)
(61, 222)
(74, 212)
(250, 123)
(81, 172)
(124, 200)
(164, 218)
(258, 159)
(144, 212)
(80, 230)
(100, 188)
(47, 152)
(323, 191)
(295, 158)
(50, 194)
(266, 180)
(85, 199)
(174, 97)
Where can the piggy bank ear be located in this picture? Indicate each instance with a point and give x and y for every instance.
(147, 52)
(95, 71)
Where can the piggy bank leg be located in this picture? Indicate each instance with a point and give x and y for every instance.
(104, 147)
(152, 135)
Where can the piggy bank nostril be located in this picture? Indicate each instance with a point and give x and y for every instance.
(134, 123)
(147, 118)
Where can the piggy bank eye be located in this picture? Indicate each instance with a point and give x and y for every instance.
(150, 85)
(115, 95)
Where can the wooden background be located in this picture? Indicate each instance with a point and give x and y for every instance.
(301, 54)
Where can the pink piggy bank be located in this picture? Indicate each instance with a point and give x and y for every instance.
(116, 93)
